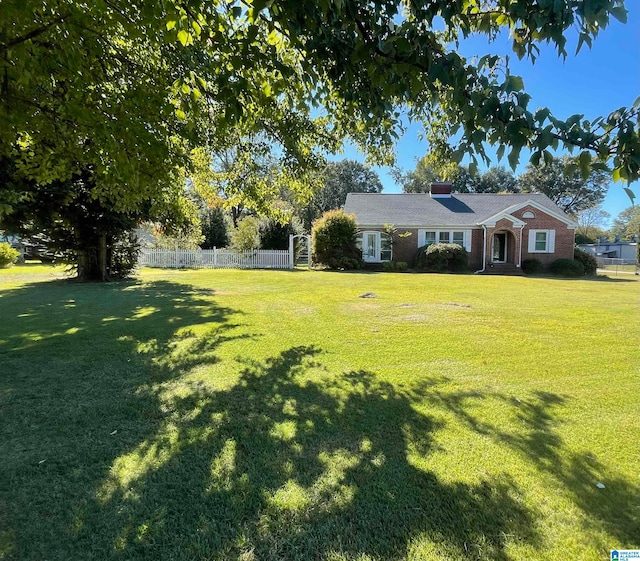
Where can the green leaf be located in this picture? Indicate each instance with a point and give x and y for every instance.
(171, 25)
(616, 175)
(184, 37)
(620, 13)
(513, 84)
(585, 164)
(630, 194)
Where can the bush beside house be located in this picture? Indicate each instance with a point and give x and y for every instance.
(571, 268)
(442, 257)
(532, 267)
(333, 241)
(588, 261)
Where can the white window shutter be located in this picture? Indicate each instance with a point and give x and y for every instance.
(551, 241)
(420, 238)
(467, 240)
(532, 241)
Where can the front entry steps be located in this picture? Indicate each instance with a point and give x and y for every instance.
(503, 269)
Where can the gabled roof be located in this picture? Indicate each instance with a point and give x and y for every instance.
(463, 209)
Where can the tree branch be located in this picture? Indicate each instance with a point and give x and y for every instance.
(32, 34)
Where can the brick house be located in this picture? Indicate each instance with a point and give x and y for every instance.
(499, 231)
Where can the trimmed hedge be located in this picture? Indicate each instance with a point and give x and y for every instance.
(567, 268)
(395, 266)
(441, 258)
(588, 261)
(333, 241)
(532, 266)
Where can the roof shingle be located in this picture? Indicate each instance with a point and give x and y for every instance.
(409, 209)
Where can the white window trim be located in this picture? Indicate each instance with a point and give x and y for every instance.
(550, 245)
(466, 236)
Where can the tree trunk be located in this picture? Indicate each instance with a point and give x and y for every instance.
(92, 258)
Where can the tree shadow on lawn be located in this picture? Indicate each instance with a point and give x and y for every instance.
(76, 362)
(535, 436)
(282, 466)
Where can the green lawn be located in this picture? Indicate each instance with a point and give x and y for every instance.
(262, 415)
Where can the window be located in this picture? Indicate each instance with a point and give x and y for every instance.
(542, 241)
(375, 246)
(460, 237)
(385, 248)
(429, 238)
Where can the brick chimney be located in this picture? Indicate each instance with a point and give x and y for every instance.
(441, 190)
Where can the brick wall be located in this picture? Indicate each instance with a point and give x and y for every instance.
(405, 248)
(565, 238)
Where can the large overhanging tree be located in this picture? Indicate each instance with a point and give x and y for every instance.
(127, 88)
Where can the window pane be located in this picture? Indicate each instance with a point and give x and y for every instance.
(385, 255)
(386, 242)
(429, 238)
(372, 244)
(444, 237)
(541, 241)
(458, 237)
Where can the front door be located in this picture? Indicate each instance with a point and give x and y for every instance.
(370, 247)
(500, 247)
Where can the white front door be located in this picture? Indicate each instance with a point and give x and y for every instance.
(371, 247)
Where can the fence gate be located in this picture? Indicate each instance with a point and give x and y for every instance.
(305, 250)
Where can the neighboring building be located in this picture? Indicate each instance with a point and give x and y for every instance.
(497, 230)
(612, 250)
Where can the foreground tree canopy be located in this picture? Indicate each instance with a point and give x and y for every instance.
(125, 90)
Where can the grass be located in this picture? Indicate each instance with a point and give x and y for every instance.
(276, 415)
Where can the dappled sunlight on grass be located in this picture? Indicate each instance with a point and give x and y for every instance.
(225, 415)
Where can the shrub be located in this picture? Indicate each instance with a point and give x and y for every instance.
(582, 238)
(215, 228)
(124, 256)
(274, 235)
(247, 235)
(333, 241)
(8, 255)
(395, 266)
(532, 266)
(442, 257)
(567, 268)
(588, 261)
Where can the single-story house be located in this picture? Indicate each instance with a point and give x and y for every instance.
(498, 230)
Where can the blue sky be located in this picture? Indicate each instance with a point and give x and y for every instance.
(594, 82)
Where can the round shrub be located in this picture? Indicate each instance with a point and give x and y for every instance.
(333, 241)
(532, 266)
(8, 255)
(587, 259)
(567, 268)
(442, 257)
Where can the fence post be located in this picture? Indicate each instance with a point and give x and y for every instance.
(291, 252)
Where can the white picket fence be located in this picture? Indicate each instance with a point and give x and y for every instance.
(215, 259)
